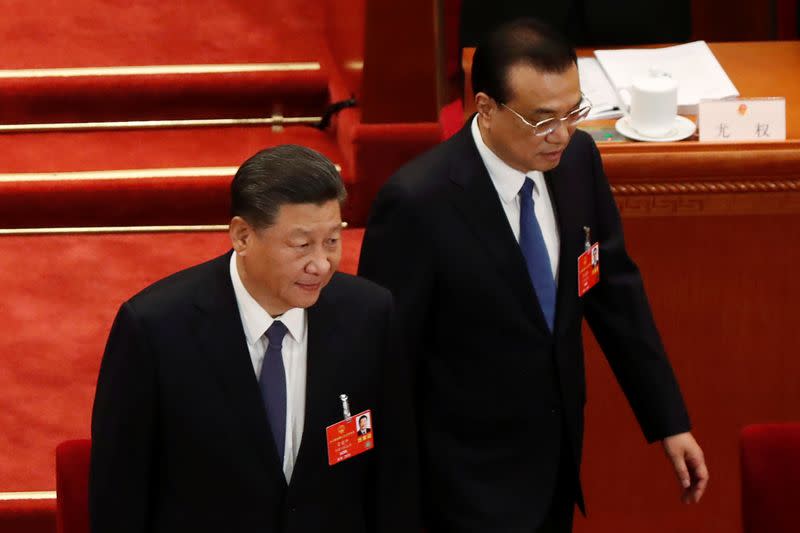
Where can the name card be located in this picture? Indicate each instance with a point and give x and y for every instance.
(743, 119)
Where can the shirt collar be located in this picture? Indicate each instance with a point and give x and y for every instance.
(507, 180)
(255, 318)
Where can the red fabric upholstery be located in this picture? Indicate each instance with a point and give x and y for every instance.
(379, 150)
(451, 118)
(452, 45)
(351, 250)
(72, 486)
(28, 516)
(771, 478)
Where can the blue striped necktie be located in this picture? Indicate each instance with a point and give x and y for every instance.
(531, 241)
(272, 381)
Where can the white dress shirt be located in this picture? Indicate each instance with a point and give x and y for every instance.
(508, 181)
(256, 321)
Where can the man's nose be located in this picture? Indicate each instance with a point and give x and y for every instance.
(319, 264)
(560, 134)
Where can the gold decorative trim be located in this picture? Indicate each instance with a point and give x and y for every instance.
(198, 228)
(115, 229)
(38, 495)
(144, 173)
(156, 124)
(154, 70)
(709, 187)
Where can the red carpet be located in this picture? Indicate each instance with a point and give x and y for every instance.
(108, 96)
(93, 33)
(28, 516)
(60, 295)
(69, 152)
(169, 199)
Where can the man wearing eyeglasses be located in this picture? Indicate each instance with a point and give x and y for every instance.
(479, 240)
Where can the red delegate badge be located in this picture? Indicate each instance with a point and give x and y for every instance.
(350, 437)
(588, 269)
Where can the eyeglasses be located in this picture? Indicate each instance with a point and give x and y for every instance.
(549, 125)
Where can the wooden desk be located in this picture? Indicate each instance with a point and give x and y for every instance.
(714, 229)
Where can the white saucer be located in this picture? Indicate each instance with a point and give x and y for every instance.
(681, 129)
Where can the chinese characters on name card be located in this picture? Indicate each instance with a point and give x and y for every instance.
(743, 119)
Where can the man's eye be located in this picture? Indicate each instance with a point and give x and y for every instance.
(332, 241)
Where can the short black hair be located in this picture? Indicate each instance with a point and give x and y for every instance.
(362, 417)
(523, 41)
(284, 174)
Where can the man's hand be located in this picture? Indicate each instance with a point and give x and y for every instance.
(689, 463)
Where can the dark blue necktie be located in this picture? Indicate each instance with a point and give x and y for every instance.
(273, 385)
(531, 241)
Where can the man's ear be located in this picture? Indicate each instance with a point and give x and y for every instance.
(241, 234)
(486, 107)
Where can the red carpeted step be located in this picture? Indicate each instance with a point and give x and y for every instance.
(57, 307)
(297, 89)
(86, 33)
(21, 514)
(116, 149)
(282, 35)
(188, 173)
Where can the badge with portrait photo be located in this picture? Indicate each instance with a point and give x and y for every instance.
(350, 437)
(588, 269)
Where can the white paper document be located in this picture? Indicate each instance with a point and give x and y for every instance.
(596, 87)
(692, 65)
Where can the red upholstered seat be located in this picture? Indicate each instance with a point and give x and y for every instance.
(72, 486)
(771, 478)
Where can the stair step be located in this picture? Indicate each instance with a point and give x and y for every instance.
(135, 177)
(167, 148)
(20, 513)
(162, 92)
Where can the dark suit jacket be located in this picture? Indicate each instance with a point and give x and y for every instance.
(180, 439)
(496, 389)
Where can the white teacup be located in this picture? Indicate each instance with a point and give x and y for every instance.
(654, 105)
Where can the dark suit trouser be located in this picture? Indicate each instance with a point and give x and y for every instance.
(562, 508)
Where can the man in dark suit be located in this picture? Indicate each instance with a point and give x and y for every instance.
(218, 382)
(478, 240)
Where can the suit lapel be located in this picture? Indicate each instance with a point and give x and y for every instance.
(221, 340)
(323, 322)
(568, 229)
(481, 209)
